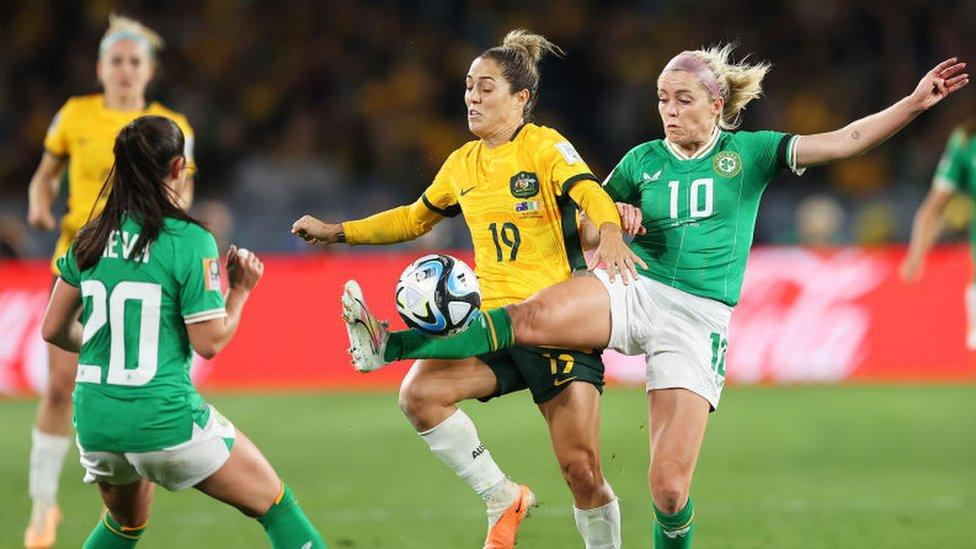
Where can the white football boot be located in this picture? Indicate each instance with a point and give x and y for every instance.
(367, 334)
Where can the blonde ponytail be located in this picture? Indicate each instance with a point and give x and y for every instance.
(739, 82)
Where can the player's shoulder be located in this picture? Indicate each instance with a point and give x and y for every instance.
(80, 104)
(181, 228)
(647, 150)
(750, 137)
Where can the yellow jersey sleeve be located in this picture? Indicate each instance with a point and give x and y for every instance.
(408, 222)
(560, 161)
(56, 140)
(440, 197)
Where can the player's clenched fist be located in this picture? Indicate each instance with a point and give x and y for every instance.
(244, 269)
(315, 230)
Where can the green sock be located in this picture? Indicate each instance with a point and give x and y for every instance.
(674, 531)
(287, 525)
(491, 332)
(109, 534)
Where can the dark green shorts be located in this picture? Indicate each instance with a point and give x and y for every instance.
(544, 371)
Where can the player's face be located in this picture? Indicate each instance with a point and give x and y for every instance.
(491, 104)
(125, 69)
(687, 111)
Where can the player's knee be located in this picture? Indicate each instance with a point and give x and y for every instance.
(417, 399)
(527, 317)
(582, 473)
(669, 487)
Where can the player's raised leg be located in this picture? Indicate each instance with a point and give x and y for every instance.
(51, 438)
(249, 483)
(678, 418)
(126, 515)
(428, 397)
(573, 313)
(574, 426)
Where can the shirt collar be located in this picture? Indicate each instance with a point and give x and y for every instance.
(700, 153)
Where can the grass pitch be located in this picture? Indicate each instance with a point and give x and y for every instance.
(805, 467)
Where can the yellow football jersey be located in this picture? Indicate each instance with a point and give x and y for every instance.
(84, 131)
(515, 200)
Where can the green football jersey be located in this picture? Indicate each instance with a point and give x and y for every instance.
(957, 171)
(700, 212)
(133, 391)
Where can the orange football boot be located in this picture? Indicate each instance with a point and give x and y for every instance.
(502, 535)
(42, 536)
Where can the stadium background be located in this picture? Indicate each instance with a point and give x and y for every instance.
(862, 431)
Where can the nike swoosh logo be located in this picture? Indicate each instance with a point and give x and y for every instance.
(466, 191)
(518, 508)
(559, 382)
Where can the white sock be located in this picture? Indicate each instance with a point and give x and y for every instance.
(46, 460)
(455, 442)
(600, 527)
(971, 317)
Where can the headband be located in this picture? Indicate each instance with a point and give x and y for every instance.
(689, 62)
(120, 35)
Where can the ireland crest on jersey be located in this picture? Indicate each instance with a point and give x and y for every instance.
(524, 185)
(727, 164)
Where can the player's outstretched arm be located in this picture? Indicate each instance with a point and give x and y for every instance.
(42, 192)
(925, 231)
(244, 270)
(864, 134)
(60, 326)
(388, 227)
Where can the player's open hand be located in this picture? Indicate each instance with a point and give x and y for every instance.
(616, 255)
(630, 219)
(938, 83)
(244, 269)
(314, 230)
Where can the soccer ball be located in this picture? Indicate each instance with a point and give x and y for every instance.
(438, 294)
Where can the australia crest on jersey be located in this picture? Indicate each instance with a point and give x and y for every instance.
(727, 164)
(524, 185)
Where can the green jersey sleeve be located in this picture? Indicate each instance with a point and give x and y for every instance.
(621, 184)
(69, 268)
(770, 151)
(951, 170)
(199, 276)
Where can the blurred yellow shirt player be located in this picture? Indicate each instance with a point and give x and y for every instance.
(84, 131)
(516, 202)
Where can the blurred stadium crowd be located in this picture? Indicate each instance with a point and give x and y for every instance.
(343, 108)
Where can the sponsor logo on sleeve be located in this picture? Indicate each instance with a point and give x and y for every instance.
(211, 273)
(569, 153)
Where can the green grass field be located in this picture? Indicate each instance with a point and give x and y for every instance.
(857, 466)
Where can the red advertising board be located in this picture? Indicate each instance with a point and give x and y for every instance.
(805, 316)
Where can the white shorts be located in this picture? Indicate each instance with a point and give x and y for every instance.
(175, 468)
(684, 336)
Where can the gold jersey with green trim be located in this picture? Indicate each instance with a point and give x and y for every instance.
(133, 390)
(700, 211)
(84, 131)
(515, 200)
(957, 170)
